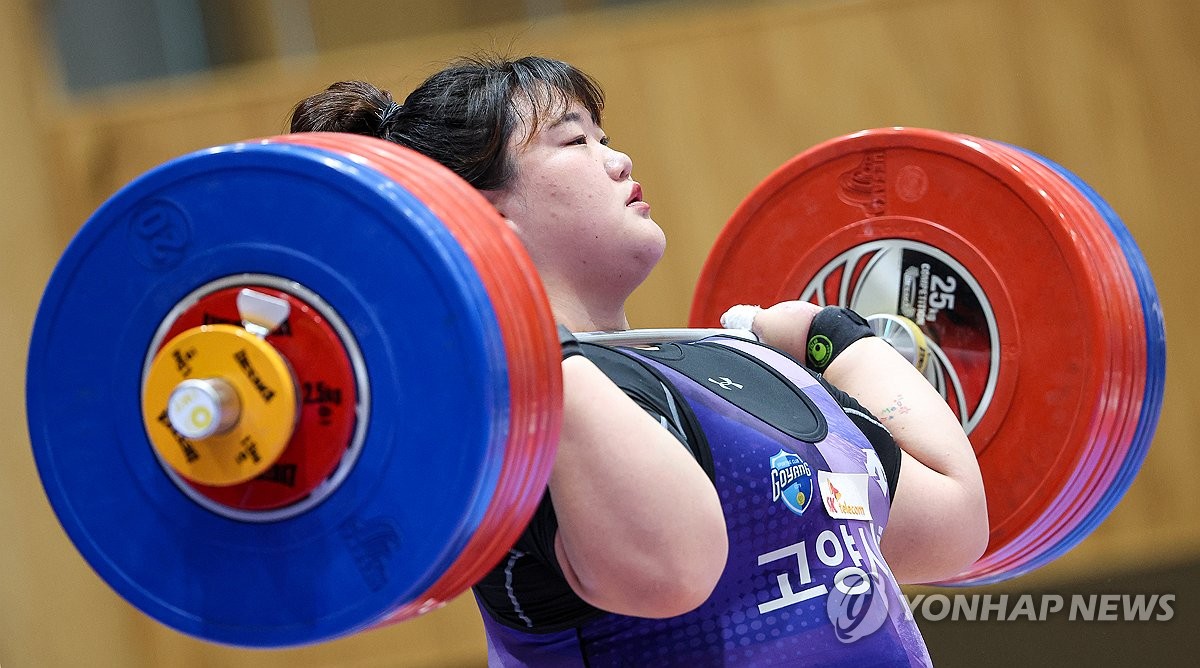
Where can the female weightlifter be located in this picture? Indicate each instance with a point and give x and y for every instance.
(720, 502)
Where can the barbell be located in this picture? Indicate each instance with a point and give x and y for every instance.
(286, 390)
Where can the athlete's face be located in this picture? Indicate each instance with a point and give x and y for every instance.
(576, 207)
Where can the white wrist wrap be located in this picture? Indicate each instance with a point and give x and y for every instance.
(740, 317)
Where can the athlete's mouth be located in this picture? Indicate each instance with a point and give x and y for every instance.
(636, 195)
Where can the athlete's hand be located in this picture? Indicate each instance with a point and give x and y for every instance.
(784, 325)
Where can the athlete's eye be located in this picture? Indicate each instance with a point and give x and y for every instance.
(604, 140)
(580, 140)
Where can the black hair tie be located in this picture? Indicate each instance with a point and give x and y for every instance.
(387, 116)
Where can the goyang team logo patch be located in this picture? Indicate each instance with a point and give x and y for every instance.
(791, 481)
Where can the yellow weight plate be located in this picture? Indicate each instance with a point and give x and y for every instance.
(219, 404)
(904, 335)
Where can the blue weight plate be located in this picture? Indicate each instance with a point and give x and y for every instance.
(1155, 341)
(432, 353)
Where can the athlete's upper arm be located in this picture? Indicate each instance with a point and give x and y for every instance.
(625, 544)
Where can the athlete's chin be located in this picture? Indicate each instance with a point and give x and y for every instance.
(653, 231)
(646, 259)
(644, 245)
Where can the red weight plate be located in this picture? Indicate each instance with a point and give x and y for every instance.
(1124, 450)
(885, 219)
(1115, 413)
(527, 327)
(1061, 512)
(326, 388)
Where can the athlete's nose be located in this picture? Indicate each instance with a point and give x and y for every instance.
(618, 165)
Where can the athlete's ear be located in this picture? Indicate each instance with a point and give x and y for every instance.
(497, 198)
(516, 229)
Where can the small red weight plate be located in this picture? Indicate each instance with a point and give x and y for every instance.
(326, 388)
(886, 219)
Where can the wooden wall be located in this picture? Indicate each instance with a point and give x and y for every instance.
(708, 100)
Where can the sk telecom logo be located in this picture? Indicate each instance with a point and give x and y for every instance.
(845, 495)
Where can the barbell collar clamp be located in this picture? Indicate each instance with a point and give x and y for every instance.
(203, 407)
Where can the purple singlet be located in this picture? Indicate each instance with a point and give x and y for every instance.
(805, 583)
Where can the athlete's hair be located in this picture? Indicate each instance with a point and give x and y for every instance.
(463, 116)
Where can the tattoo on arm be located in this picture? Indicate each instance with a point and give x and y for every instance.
(894, 411)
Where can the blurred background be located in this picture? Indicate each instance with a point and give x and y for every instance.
(708, 98)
